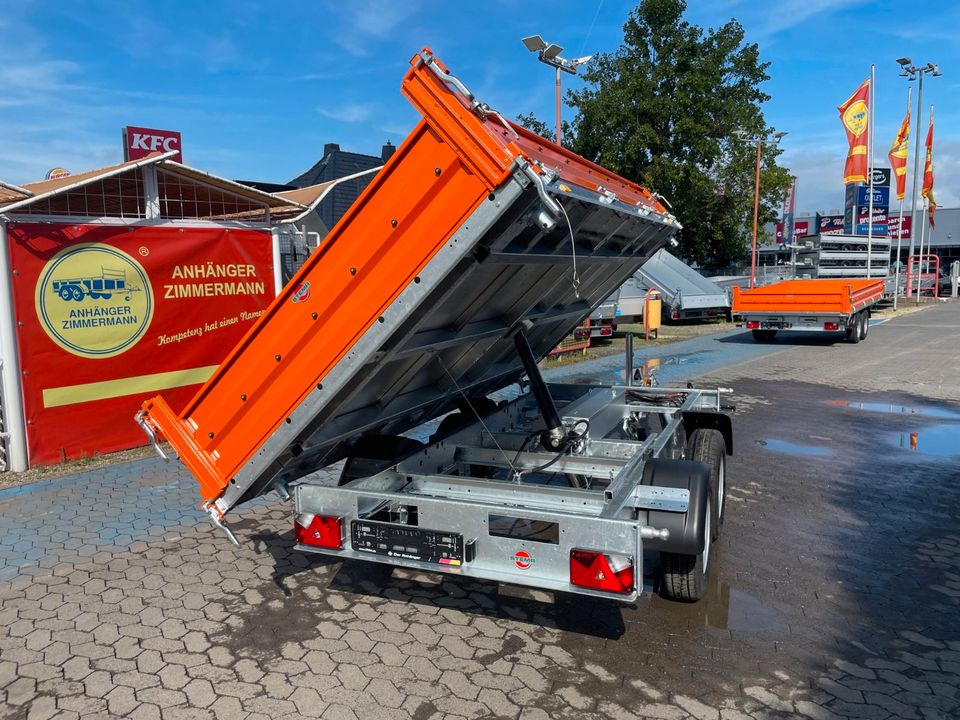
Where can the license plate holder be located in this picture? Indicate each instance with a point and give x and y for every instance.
(407, 542)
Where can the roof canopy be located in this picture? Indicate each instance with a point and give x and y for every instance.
(123, 191)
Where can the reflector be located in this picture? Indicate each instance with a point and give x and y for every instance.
(319, 531)
(610, 572)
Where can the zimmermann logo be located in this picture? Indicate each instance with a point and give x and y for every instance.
(94, 301)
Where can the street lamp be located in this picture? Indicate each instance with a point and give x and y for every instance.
(913, 72)
(758, 139)
(549, 53)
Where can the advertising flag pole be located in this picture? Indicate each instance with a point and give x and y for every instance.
(923, 233)
(923, 225)
(896, 281)
(916, 166)
(870, 138)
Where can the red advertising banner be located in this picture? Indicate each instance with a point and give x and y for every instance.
(801, 228)
(110, 315)
(139, 142)
(894, 224)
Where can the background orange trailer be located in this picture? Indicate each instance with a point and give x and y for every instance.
(841, 305)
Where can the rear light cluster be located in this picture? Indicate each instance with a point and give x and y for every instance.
(325, 531)
(606, 331)
(596, 570)
(831, 326)
(753, 325)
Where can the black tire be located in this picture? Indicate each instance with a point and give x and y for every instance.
(685, 577)
(864, 324)
(708, 446)
(373, 453)
(764, 335)
(853, 332)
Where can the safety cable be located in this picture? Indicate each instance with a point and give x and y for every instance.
(573, 249)
(482, 423)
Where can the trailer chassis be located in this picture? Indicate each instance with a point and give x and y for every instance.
(484, 501)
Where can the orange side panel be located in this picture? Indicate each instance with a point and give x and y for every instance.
(354, 276)
(834, 296)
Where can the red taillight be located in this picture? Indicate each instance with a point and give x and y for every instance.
(674, 316)
(319, 531)
(601, 571)
(831, 326)
(606, 331)
(753, 325)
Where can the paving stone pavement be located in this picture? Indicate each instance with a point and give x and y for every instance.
(835, 590)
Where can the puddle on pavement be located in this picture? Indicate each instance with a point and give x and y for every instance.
(725, 607)
(792, 448)
(729, 608)
(937, 440)
(897, 409)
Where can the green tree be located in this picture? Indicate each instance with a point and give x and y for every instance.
(665, 110)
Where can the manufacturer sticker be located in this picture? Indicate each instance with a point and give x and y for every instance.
(94, 300)
(523, 560)
(302, 293)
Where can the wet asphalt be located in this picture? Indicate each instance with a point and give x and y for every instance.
(835, 586)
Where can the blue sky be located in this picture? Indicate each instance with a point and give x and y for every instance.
(258, 88)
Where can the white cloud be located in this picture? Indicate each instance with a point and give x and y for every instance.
(367, 22)
(790, 13)
(348, 112)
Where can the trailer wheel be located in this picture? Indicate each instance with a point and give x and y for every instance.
(764, 335)
(684, 555)
(864, 324)
(853, 332)
(66, 293)
(708, 446)
(684, 577)
(373, 453)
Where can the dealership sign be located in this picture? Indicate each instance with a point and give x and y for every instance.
(139, 142)
(109, 315)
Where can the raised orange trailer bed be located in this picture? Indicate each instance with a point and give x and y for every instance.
(822, 305)
(470, 255)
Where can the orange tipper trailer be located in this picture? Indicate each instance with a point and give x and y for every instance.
(470, 255)
(823, 305)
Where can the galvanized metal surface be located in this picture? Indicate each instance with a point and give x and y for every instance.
(682, 287)
(450, 334)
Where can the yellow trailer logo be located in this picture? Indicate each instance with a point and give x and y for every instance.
(94, 300)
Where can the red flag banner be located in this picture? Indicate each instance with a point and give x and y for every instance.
(928, 166)
(898, 155)
(854, 114)
(927, 190)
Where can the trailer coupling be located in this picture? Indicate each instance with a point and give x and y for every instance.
(141, 418)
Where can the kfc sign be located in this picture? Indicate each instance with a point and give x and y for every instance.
(139, 142)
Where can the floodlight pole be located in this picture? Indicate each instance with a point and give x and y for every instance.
(558, 104)
(549, 54)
